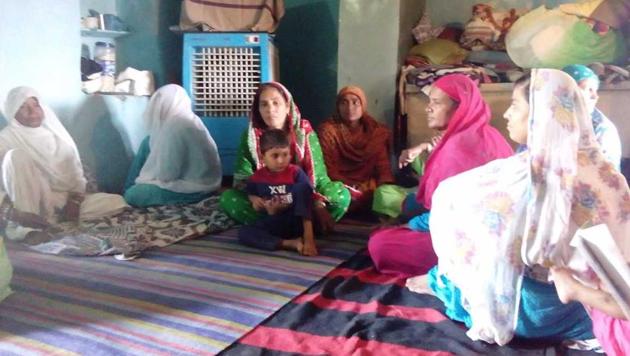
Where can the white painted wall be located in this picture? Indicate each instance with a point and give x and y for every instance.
(40, 47)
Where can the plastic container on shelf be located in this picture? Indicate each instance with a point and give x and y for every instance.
(105, 55)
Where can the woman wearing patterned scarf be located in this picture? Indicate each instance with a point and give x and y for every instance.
(499, 228)
(273, 107)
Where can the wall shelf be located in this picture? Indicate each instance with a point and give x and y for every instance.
(103, 33)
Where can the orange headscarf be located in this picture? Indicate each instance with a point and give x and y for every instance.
(352, 90)
(355, 155)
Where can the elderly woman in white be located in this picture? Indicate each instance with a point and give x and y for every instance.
(178, 163)
(41, 169)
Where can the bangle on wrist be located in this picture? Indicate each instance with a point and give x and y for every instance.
(5, 209)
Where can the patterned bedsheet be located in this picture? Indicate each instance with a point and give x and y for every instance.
(137, 229)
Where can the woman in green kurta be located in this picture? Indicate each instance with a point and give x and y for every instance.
(273, 107)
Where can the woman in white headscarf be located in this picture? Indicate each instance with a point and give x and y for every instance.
(499, 228)
(179, 162)
(42, 172)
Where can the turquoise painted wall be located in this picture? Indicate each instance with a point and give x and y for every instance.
(151, 45)
(307, 41)
(326, 44)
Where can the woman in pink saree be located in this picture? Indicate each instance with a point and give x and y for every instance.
(456, 108)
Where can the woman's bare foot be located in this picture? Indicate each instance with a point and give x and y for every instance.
(419, 284)
(324, 223)
(565, 284)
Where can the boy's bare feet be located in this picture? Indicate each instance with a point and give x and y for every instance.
(308, 239)
(309, 248)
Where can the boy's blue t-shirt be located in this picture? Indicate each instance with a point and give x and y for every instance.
(279, 185)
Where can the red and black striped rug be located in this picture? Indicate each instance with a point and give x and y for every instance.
(356, 311)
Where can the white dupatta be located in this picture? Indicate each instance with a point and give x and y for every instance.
(489, 223)
(183, 156)
(49, 145)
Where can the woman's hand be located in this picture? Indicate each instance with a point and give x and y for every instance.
(258, 203)
(436, 139)
(408, 155)
(28, 219)
(71, 211)
(566, 285)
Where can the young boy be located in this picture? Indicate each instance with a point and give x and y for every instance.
(284, 192)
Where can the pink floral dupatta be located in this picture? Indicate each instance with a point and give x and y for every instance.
(489, 223)
(469, 140)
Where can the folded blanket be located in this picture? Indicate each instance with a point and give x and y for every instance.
(232, 15)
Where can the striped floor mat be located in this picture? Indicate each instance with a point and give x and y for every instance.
(355, 310)
(195, 297)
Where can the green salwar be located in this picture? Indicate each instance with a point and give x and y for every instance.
(388, 198)
(236, 204)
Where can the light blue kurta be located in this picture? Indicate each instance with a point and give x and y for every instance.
(607, 136)
(144, 195)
